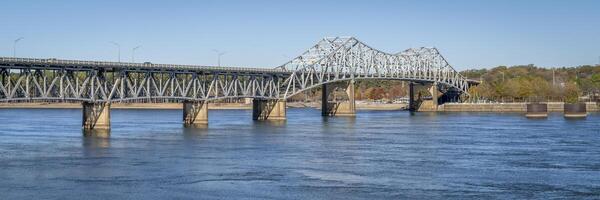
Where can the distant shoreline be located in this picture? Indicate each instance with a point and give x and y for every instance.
(505, 107)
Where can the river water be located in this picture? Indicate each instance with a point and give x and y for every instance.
(378, 154)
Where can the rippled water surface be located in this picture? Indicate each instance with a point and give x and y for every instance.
(378, 154)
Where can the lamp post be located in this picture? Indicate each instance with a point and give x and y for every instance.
(553, 77)
(133, 52)
(219, 54)
(15, 46)
(119, 50)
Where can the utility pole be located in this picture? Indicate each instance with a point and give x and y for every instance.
(15, 46)
(119, 51)
(133, 52)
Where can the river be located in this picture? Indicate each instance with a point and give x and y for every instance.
(378, 154)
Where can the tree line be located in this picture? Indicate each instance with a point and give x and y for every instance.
(531, 83)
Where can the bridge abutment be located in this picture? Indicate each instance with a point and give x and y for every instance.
(344, 108)
(263, 109)
(96, 116)
(195, 113)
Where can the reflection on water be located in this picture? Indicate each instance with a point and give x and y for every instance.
(96, 139)
(96, 133)
(347, 121)
(192, 134)
(148, 154)
(575, 118)
(197, 126)
(272, 123)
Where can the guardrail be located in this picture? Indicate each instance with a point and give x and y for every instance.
(82, 63)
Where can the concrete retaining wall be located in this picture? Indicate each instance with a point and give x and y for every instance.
(505, 107)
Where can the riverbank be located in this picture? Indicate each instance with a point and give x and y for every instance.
(505, 107)
(212, 106)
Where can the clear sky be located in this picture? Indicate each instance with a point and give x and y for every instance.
(470, 34)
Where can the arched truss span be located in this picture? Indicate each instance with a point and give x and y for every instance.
(338, 59)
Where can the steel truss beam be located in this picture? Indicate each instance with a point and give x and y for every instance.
(330, 60)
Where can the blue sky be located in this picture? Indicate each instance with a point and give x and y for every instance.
(470, 34)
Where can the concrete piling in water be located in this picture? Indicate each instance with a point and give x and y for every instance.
(576, 110)
(195, 113)
(96, 116)
(345, 108)
(423, 105)
(420, 104)
(263, 109)
(412, 107)
(537, 110)
(435, 95)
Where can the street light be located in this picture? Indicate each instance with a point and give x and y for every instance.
(15, 46)
(219, 54)
(133, 52)
(119, 50)
(553, 77)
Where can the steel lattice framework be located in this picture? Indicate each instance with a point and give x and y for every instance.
(340, 59)
(330, 60)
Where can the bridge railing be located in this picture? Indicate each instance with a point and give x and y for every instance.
(57, 62)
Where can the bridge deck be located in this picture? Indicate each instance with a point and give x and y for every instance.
(81, 64)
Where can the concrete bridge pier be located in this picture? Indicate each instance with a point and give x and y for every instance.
(435, 94)
(96, 116)
(412, 104)
(263, 109)
(195, 113)
(345, 108)
(431, 105)
(418, 103)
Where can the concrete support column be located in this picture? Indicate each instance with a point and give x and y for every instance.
(263, 109)
(96, 116)
(345, 108)
(419, 103)
(195, 113)
(412, 104)
(435, 94)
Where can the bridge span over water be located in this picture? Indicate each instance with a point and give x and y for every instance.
(331, 63)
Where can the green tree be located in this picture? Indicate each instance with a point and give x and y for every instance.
(571, 93)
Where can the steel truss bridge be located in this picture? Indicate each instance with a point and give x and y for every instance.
(330, 60)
